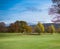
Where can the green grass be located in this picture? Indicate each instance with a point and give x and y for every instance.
(17, 41)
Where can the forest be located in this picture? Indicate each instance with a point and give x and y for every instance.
(23, 27)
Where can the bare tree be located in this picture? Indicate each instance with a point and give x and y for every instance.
(55, 10)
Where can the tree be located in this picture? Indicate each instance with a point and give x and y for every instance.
(39, 28)
(58, 30)
(2, 27)
(55, 10)
(18, 26)
(51, 29)
(14, 27)
(28, 29)
(22, 25)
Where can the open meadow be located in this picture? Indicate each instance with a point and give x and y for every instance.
(18, 41)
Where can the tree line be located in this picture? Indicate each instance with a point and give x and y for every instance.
(23, 27)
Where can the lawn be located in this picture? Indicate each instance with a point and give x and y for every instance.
(17, 41)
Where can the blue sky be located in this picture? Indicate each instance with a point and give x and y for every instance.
(31, 11)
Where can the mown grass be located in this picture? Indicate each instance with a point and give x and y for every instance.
(18, 41)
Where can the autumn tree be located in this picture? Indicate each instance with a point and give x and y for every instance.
(14, 27)
(2, 27)
(22, 25)
(51, 29)
(58, 30)
(36, 29)
(39, 28)
(28, 29)
(18, 26)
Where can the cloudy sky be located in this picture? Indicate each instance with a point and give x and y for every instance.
(31, 11)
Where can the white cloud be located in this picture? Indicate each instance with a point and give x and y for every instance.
(30, 12)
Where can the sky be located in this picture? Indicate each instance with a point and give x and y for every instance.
(31, 11)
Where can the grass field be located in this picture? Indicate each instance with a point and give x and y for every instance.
(17, 41)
